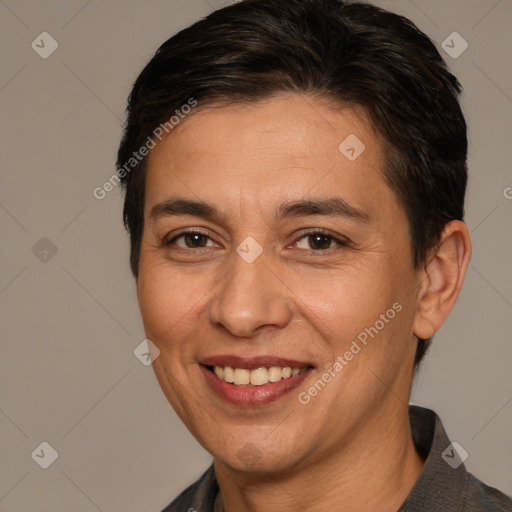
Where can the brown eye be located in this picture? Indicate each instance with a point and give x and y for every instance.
(319, 241)
(316, 242)
(191, 240)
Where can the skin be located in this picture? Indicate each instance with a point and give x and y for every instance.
(351, 443)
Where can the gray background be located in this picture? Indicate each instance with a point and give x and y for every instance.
(70, 321)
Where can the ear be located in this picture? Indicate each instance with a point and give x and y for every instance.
(441, 279)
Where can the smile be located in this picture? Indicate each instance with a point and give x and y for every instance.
(255, 377)
(255, 381)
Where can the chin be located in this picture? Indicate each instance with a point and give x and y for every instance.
(257, 454)
(249, 459)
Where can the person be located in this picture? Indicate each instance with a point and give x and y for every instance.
(294, 175)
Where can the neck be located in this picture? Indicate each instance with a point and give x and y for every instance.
(375, 471)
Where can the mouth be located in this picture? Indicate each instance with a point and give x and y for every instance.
(257, 381)
(256, 377)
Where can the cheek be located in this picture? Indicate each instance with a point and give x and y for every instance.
(342, 302)
(167, 306)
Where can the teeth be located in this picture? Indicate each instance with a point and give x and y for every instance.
(259, 376)
(256, 377)
(241, 377)
(275, 374)
(229, 374)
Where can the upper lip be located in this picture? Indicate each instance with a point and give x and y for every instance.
(250, 363)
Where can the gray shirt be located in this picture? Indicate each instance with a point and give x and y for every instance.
(444, 483)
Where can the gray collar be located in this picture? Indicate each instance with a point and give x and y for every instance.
(439, 487)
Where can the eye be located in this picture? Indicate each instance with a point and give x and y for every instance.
(191, 240)
(318, 241)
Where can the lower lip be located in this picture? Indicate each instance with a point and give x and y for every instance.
(252, 395)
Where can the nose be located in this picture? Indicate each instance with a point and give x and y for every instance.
(250, 299)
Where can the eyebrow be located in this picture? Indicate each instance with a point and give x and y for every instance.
(170, 207)
(336, 206)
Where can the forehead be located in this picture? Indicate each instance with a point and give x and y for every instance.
(285, 148)
(296, 127)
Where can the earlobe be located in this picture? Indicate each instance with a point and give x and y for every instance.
(441, 279)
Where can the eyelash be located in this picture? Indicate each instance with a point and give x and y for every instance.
(340, 242)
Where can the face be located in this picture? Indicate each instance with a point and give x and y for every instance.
(276, 280)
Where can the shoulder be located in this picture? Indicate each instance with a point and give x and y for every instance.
(480, 496)
(444, 483)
